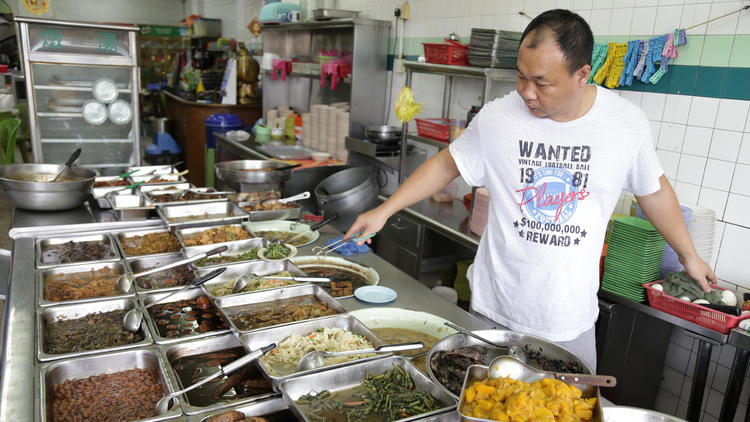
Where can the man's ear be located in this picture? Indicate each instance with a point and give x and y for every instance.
(582, 75)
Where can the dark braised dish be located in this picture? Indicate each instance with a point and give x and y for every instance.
(186, 317)
(68, 252)
(151, 243)
(91, 332)
(177, 276)
(276, 312)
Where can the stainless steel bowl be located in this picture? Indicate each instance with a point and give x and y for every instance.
(45, 196)
(240, 171)
(383, 134)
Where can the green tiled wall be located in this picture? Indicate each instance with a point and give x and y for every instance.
(708, 66)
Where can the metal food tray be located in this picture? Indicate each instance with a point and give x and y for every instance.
(78, 311)
(141, 264)
(42, 274)
(157, 169)
(55, 373)
(235, 271)
(228, 306)
(258, 339)
(113, 255)
(185, 295)
(282, 214)
(166, 187)
(351, 376)
(218, 213)
(234, 249)
(181, 233)
(189, 348)
(170, 177)
(150, 194)
(480, 372)
(502, 337)
(122, 236)
(256, 408)
(100, 195)
(130, 207)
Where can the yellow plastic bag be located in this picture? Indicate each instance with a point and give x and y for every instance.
(406, 107)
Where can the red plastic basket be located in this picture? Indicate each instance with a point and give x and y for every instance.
(438, 129)
(442, 53)
(706, 317)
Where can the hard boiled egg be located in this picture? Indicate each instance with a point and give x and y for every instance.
(728, 297)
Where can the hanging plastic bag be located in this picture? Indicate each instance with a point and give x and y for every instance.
(406, 107)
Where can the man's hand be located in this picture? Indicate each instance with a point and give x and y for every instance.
(699, 270)
(369, 222)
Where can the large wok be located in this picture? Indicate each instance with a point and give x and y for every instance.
(26, 187)
(248, 171)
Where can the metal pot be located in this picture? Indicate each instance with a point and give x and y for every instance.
(236, 175)
(45, 196)
(347, 193)
(383, 134)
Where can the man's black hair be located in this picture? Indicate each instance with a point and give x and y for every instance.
(571, 33)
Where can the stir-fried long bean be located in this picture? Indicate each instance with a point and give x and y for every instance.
(390, 395)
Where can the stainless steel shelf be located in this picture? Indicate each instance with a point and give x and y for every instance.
(428, 141)
(46, 114)
(346, 80)
(86, 141)
(74, 88)
(334, 23)
(493, 73)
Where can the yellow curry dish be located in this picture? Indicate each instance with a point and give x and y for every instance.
(508, 400)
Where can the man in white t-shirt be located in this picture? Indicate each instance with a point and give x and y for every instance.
(554, 156)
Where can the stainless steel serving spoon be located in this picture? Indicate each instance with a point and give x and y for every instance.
(165, 404)
(68, 163)
(242, 282)
(511, 350)
(303, 195)
(506, 366)
(125, 282)
(133, 318)
(316, 358)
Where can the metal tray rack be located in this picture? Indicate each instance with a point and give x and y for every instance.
(123, 236)
(257, 339)
(350, 376)
(173, 352)
(193, 215)
(229, 306)
(80, 310)
(112, 254)
(55, 373)
(42, 274)
(235, 271)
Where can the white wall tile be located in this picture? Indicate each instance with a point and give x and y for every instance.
(741, 180)
(725, 145)
(677, 108)
(632, 96)
(582, 4)
(718, 236)
(703, 111)
(641, 3)
(694, 14)
(600, 22)
(743, 26)
(727, 24)
(744, 154)
(620, 21)
(697, 140)
(667, 19)
(671, 137)
(669, 161)
(732, 264)
(643, 20)
(563, 4)
(687, 193)
(691, 169)
(714, 199)
(732, 114)
(655, 129)
(718, 174)
(653, 105)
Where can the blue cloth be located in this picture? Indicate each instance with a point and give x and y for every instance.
(350, 248)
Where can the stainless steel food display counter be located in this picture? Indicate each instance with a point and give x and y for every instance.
(20, 399)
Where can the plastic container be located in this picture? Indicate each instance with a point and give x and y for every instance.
(438, 129)
(705, 317)
(221, 123)
(447, 53)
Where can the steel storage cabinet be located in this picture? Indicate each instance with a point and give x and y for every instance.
(62, 63)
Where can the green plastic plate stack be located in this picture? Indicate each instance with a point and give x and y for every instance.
(633, 258)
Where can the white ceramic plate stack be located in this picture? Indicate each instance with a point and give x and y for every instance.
(702, 228)
(342, 130)
(481, 211)
(307, 129)
(332, 114)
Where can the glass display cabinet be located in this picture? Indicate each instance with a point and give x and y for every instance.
(82, 86)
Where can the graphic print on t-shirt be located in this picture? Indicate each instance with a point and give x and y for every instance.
(554, 179)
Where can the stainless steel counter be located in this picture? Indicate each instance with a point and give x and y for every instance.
(18, 390)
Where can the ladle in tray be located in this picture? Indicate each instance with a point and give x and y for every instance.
(511, 350)
(303, 195)
(133, 318)
(125, 282)
(242, 282)
(316, 358)
(506, 366)
(164, 405)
